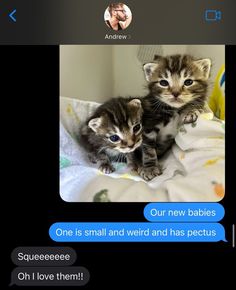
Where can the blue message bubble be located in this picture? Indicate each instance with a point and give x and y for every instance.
(184, 212)
(137, 232)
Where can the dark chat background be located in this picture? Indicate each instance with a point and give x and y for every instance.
(31, 200)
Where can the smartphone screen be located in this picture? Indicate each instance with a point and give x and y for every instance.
(119, 141)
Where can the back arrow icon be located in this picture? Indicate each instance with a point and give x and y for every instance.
(12, 15)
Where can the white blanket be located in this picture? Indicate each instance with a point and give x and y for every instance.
(193, 168)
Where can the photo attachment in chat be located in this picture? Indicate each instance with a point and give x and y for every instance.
(142, 123)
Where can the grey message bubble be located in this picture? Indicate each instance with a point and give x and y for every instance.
(43, 256)
(49, 276)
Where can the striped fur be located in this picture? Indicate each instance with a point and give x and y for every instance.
(167, 106)
(117, 117)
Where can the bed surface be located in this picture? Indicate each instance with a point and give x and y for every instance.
(193, 168)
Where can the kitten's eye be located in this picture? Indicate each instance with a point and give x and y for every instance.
(136, 128)
(164, 83)
(188, 82)
(114, 138)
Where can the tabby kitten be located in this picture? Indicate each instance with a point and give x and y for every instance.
(177, 94)
(113, 132)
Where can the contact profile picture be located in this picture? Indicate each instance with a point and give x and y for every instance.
(117, 16)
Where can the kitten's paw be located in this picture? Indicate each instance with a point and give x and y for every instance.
(92, 158)
(106, 168)
(133, 167)
(149, 173)
(191, 117)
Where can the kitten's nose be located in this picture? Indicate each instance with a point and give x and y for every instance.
(131, 146)
(175, 94)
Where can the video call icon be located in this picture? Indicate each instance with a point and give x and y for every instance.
(213, 15)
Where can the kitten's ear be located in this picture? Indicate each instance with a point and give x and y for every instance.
(95, 123)
(205, 66)
(135, 103)
(149, 69)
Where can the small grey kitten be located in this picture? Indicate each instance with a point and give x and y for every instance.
(113, 132)
(177, 94)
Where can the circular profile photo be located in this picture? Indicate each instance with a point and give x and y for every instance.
(117, 16)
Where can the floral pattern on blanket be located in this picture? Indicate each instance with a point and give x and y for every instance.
(193, 168)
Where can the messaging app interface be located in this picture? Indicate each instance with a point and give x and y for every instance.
(115, 136)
